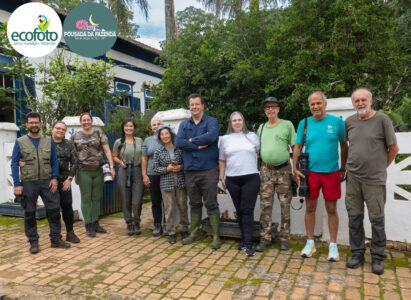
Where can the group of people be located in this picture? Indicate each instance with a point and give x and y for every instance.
(191, 163)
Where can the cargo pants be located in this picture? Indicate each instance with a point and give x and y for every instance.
(275, 181)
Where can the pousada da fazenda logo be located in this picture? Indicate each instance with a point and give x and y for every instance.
(90, 29)
(34, 29)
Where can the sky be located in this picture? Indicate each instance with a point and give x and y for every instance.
(153, 30)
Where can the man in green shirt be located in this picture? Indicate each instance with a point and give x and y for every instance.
(276, 136)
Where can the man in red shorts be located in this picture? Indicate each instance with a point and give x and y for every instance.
(324, 133)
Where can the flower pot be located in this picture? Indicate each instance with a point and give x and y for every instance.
(232, 229)
(15, 210)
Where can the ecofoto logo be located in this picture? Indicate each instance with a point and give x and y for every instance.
(34, 29)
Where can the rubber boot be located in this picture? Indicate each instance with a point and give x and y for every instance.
(195, 230)
(215, 230)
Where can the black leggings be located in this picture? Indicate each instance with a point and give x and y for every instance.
(66, 204)
(156, 198)
(243, 191)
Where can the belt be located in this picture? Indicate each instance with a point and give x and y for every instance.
(277, 166)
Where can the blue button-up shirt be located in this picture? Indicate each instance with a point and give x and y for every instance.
(206, 132)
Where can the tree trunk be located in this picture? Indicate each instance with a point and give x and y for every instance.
(171, 26)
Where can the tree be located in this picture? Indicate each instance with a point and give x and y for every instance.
(68, 86)
(333, 46)
(233, 7)
(171, 26)
(72, 86)
(121, 9)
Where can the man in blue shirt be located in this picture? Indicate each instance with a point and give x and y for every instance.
(38, 177)
(198, 138)
(324, 133)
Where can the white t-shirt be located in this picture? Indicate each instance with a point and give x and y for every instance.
(239, 150)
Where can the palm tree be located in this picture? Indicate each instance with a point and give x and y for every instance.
(122, 10)
(171, 26)
(232, 7)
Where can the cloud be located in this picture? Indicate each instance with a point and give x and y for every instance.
(154, 27)
(153, 42)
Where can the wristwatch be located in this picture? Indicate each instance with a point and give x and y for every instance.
(111, 167)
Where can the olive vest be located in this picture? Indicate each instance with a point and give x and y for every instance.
(38, 161)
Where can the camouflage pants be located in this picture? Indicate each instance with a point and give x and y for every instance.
(275, 181)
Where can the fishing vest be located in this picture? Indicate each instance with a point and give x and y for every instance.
(38, 161)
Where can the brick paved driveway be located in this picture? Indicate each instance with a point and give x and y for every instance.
(115, 266)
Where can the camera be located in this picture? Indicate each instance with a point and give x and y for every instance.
(106, 171)
(129, 173)
(304, 190)
(19, 199)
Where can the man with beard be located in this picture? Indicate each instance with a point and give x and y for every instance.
(373, 146)
(38, 177)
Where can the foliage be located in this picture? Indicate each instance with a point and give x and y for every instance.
(72, 86)
(20, 67)
(233, 7)
(113, 124)
(401, 117)
(121, 9)
(332, 45)
(68, 86)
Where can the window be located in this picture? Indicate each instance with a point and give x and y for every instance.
(125, 89)
(124, 101)
(6, 106)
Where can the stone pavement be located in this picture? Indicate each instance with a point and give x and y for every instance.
(116, 266)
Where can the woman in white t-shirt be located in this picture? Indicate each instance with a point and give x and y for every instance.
(239, 173)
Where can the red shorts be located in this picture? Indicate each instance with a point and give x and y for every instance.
(330, 183)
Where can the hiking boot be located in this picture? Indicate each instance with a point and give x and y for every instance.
(195, 230)
(137, 229)
(309, 250)
(72, 238)
(34, 247)
(264, 244)
(172, 239)
(215, 230)
(90, 230)
(355, 261)
(157, 229)
(59, 244)
(284, 246)
(377, 267)
(98, 228)
(130, 229)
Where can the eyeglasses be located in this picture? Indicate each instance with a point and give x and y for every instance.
(270, 107)
(33, 123)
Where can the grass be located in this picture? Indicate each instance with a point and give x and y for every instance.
(400, 262)
(10, 222)
(171, 251)
(234, 280)
(104, 266)
(256, 281)
(91, 282)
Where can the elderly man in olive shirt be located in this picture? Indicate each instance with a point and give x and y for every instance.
(372, 148)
